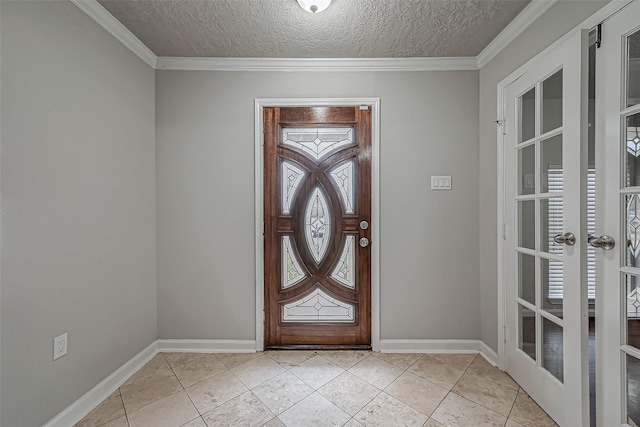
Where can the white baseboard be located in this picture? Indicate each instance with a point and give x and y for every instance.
(85, 404)
(489, 354)
(430, 346)
(207, 346)
(81, 407)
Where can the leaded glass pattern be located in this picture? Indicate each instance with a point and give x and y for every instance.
(292, 272)
(344, 178)
(317, 142)
(317, 224)
(633, 229)
(291, 178)
(633, 141)
(318, 307)
(345, 271)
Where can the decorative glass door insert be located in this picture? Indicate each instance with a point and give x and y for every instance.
(618, 300)
(317, 200)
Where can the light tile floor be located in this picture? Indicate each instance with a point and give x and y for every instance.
(318, 388)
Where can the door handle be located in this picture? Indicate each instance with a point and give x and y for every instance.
(568, 239)
(605, 242)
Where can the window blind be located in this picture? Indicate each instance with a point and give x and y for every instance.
(556, 279)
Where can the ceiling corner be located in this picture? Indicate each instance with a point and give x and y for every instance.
(520, 23)
(107, 21)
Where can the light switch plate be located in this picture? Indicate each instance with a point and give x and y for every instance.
(441, 182)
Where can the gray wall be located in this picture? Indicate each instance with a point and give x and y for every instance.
(78, 207)
(562, 17)
(205, 168)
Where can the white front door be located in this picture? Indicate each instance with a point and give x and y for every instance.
(545, 156)
(618, 215)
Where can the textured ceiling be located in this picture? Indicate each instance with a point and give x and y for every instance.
(347, 29)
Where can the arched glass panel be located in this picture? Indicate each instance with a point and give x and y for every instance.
(292, 272)
(317, 224)
(317, 142)
(318, 307)
(291, 178)
(343, 177)
(345, 271)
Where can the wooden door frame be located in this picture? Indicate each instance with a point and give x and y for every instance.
(374, 104)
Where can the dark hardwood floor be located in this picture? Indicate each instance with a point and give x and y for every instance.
(552, 360)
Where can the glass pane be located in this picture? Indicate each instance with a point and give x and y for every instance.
(552, 349)
(526, 224)
(345, 271)
(527, 277)
(633, 229)
(552, 102)
(318, 307)
(527, 115)
(633, 391)
(317, 224)
(551, 224)
(552, 286)
(633, 69)
(317, 142)
(291, 178)
(344, 179)
(292, 272)
(527, 330)
(527, 170)
(633, 310)
(633, 150)
(551, 164)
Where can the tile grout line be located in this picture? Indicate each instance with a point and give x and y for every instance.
(126, 416)
(287, 368)
(487, 379)
(185, 390)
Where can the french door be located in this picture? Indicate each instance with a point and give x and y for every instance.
(317, 213)
(618, 150)
(545, 156)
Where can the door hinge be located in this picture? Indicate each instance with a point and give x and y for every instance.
(504, 231)
(504, 333)
(263, 228)
(501, 124)
(599, 35)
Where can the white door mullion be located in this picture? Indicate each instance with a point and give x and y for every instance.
(567, 403)
(611, 269)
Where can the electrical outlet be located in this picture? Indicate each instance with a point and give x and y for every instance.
(59, 346)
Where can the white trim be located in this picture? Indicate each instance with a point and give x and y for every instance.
(85, 404)
(90, 400)
(374, 104)
(316, 64)
(520, 23)
(430, 346)
(206, 346)
(528, 16)
(114, 27)
(259, 222)
(599, 16)
(488, 354)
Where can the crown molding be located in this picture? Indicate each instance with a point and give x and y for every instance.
(520, 23)
(107, 21)
(316, 64)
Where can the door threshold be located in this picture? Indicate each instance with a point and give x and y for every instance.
(318, 347)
